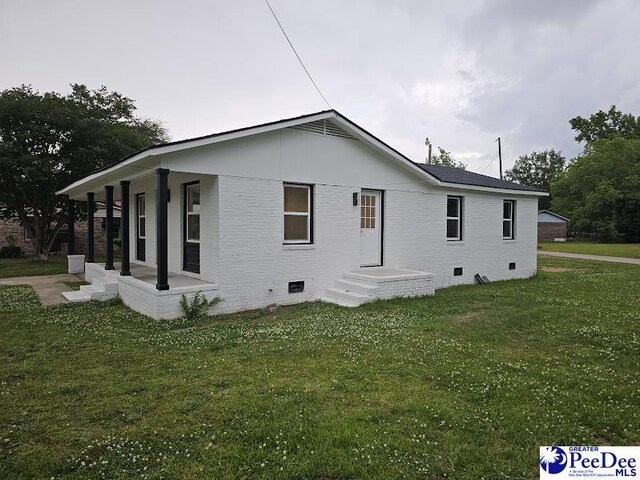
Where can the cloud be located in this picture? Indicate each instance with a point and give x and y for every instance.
(461, 72)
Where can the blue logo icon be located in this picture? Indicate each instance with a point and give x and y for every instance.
(553, 460)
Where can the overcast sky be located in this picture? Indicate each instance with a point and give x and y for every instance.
(461, 73)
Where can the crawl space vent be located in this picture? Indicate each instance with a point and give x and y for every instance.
(296, 287)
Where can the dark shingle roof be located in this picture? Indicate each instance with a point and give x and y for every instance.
(463, 177)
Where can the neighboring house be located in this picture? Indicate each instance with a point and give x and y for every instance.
(551, 226)
(12, 231)
(302, 209)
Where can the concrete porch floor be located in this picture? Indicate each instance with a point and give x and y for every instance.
(149, 275)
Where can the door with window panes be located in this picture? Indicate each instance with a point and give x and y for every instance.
(191, 228)
(141, 234)
(370, 228)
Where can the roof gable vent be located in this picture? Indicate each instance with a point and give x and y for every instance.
(324, 127)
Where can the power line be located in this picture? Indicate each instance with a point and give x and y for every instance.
(488, 165)
(296, 53)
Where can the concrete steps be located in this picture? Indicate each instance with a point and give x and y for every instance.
(345, 298)
(369, 284)
(101, 288)
(76, 296)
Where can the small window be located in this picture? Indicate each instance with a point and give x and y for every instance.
(508, 216)
(142, 215)
(367, 211)
(454, 218)
(297, 213)
(193, 212)
(457, 271)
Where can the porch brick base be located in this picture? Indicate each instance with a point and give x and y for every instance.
(143, 297)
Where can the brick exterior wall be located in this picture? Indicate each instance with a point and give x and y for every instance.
(547, 231)
(13, 228)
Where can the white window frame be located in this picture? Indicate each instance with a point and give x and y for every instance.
(511, 220)
(308, 214)
(141, 216)
(458, 218)
(188, 213)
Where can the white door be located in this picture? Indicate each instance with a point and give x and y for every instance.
(370, 228)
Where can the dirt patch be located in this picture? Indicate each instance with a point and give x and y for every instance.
(556, 269)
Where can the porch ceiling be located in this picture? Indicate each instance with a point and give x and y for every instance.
(98, 180)
(127, 172)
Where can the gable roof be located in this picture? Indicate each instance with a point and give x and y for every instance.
(553, 214)
(335, 117)
(464, 177)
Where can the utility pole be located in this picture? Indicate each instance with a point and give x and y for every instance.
(500, 156)
(428, 144)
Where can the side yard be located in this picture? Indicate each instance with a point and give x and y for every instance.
(466, 384)
(23, 267)
(629, 250)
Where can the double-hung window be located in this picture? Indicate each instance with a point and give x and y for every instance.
(454, 218)
(193, 212)
(297, 213)
(508, 219)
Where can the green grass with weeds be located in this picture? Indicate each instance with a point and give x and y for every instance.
(466, 384)
(629, 250)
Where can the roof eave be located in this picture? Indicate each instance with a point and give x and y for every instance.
(508, 191)
(198, 142)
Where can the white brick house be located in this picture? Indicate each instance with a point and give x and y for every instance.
(302, 209)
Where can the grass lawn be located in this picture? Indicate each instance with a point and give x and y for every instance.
(630, 250)
(466, 384)
(22, 267)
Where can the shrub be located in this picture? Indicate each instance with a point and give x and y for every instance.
(197, 306)
(11, 249)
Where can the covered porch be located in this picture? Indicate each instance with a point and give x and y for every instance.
(160, 236)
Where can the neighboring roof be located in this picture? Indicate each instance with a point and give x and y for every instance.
(464, 177)
(549, 212)
(358, 132)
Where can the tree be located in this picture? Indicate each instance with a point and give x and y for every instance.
(48, 141)
(603, 125)
(600, 190)
(444, 158)
(537, 170)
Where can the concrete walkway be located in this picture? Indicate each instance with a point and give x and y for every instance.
(583, 256)
(48, 287)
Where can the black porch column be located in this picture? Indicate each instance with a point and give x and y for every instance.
(91, 209)
(109, 227)
(125, 269)
(71, 237)
(162, 230)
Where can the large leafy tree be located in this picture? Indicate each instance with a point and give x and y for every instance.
(600, 190)
(537, 170)
(609, 124)
(446, 159)
(48, 141)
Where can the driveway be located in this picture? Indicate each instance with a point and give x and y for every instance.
(600, 258)
(48, 287)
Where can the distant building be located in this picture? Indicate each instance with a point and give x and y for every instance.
(12, 231)
(551, 226)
